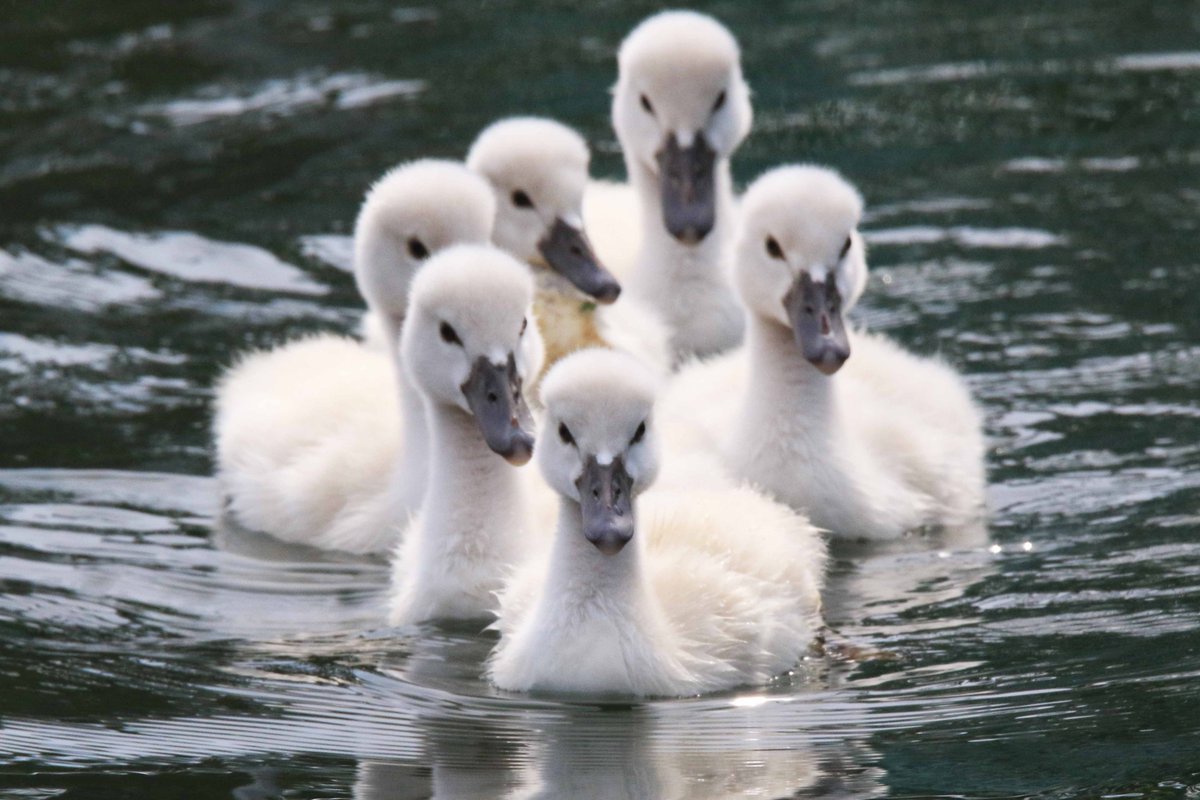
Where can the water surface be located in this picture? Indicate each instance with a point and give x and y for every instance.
(176, 184)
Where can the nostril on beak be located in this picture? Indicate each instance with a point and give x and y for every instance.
(492, 397)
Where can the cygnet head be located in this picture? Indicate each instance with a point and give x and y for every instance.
(680, 105)
(412, 212)
(469, 342)
(538, 169)
(599, 447)
(800, 258)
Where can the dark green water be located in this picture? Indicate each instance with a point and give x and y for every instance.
(1033, 171)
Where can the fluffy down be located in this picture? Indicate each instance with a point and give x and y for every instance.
(673, 592)
(570, 321)
(470, 312)
(900, 450)
(870, 441)
(738, 581)
(311, 464)
(611, 218)
(923, 425)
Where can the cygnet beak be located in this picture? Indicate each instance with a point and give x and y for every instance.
(815, 311)
(494, 396)
(686, 181)
(568, 252)
(606, 504)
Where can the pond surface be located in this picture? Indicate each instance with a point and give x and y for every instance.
(176, 183)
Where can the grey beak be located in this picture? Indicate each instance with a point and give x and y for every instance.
(569, 253)
(815, 311)
(606, 504)
(494, 396)
(686, 179)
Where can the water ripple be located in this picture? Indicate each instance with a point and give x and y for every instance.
(190, 257)
(284, 96)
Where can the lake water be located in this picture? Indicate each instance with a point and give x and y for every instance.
(176, 183)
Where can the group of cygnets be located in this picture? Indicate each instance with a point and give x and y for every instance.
(700, 345)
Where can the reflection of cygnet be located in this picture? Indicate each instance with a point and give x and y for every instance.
(671, 752)
(463, 758)
(593, 754)
(672, 594)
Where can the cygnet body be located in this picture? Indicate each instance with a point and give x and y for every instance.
(868, 440)
(538, 169)
(322, 441)
(469, 344)
(680, 109)
(674, 593)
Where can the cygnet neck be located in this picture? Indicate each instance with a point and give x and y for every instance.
(412, 465)
(688, 284)
(474, 498)
(689, 261)
(580, 573)
(782, 379)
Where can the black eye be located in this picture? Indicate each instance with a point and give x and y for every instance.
(449, 335)
(720, 102)
(845, 249)
(773, 248)
(639, 434)
(646, 105)
(565, 434)
(524, 325)
(417, 249)
(521, 200)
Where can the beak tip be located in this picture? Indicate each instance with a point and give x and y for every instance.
(493, 395)
(691, 235)
(568, 252)
(610, 542)
(829, 363)
(519, 452)
(608, 294)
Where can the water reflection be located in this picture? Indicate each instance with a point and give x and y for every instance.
(617, 754)
(887, 580)
(473, 758)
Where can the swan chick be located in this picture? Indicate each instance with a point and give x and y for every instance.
(538, 169)
(868, 440)
(468, 347)
(680, 109)
(412, 212)
(669, 594)
(307, 433)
